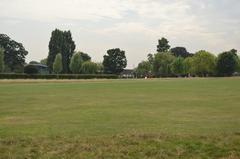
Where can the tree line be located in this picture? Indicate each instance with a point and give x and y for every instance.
(179, 62)
(64, 59)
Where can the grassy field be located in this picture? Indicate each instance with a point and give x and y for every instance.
(166, 118)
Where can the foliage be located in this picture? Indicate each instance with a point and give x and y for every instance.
(30, 69)
(1, 60)
(204, 63)
(162, 64)
(85, 57)
(115, 61)
(188, 65)
(177, 66)
(57, 64)
(227, 63)
(180, 51)
(43, 61)
(163, 45)
(61, 41)
(14, 53)
(150, 58)
(76, 63)
(89, 67)
(144, 69)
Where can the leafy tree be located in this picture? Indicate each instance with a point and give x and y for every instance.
(43, 61)
(61, 41)
(57, 64)
(177, 66)
(162, 64)
(14, 53)
(180, 51)
(30, 69)
(76, 63)
(238, 68)
(163, 45)
(188, 65)
(144, 69)
(89, 67)
(85, 57)
(227, 63)
(1, 59)
(115, 61)
(150, 58)
(204, 63)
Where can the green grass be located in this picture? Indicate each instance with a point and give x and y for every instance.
(167, 118)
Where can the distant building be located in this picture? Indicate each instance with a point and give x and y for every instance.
(41, 69)
(127, 73)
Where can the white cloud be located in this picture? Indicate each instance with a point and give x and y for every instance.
(212, 25)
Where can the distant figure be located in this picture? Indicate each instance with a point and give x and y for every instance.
(146, 77)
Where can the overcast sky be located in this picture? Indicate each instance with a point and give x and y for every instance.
(132, 25)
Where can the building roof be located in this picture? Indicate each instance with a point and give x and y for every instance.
(127, 71)
(38, 65)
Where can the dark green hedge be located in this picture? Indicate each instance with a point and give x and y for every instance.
(60, 76)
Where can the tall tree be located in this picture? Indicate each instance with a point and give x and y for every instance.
(115, 61)
(150, 58)
(89, 67)
(180, 51)
(14, 53)
(163, 45)
(177, 66)
(162, 64)
(227, 63)
(188, 65)
(144, 69)
(1, 59)
(76, 63)
(57, 64)
(204, 63)
(61, 41)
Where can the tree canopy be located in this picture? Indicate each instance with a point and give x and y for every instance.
(1, 59)
(76, 63)
(115, 61)
(162, 63)
(180, 51)
(204, 63)
(61, 41)
(89, 67)
(163, 45)
(144, 69)
(177, 66)
(14, 53)
(85, 57)
(227, 63)
(57, 64)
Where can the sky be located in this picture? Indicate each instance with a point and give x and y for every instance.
(131, 25)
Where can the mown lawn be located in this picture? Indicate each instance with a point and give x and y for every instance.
(165, 118)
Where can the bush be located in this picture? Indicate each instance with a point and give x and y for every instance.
(59, 76)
